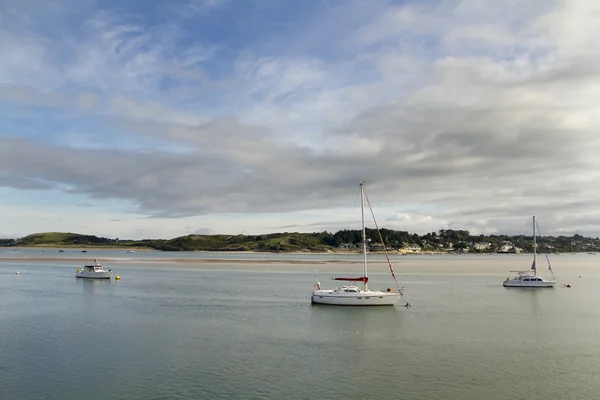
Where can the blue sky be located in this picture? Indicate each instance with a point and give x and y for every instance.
(159, 119)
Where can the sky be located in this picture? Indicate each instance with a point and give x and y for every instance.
(157, 119)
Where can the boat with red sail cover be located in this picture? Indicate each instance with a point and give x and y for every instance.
(351, 294)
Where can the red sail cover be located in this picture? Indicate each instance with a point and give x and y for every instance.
(364, 279)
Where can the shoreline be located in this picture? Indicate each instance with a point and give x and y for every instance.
(79, 249)
(177, 260)
(337, 252)
(71, 247)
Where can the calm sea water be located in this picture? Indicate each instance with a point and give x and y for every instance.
(164, 332)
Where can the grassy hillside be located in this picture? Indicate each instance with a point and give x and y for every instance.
(62, 239)
(272, 242)
(445, 240)
(276, 242)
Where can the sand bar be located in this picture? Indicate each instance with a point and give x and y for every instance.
(471, 264)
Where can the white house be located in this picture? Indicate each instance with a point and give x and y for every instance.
(482, 245)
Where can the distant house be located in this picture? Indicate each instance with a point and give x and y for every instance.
(410, 248)
(482, 245)
(346, 246)
(510, 249)
(376, 247)
(446, 247)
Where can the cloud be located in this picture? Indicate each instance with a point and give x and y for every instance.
(148, 111)
(483, 35)
(457, 114)
(29, 96)
(414, 222)
(24, 59)
(23, 182)
(196, 7)
(202, 231)
(85, 101)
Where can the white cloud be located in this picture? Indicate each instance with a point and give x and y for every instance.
(196, 7)
(86, 101)
(29, 96)
(149, 111)
(414, 222)
(484, 35)
(485, 113)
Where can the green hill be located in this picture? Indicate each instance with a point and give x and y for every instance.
(445, 240)
(68, 239)
(275, 242)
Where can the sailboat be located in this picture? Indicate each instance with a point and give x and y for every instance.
(351, 294)
(530, 278)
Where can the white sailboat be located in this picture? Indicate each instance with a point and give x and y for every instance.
(352, 295)
(530, 278)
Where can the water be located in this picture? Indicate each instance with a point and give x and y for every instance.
(241, 331)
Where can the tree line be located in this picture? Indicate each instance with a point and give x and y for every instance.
(443, 240)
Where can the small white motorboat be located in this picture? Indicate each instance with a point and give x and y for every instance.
(94, 271)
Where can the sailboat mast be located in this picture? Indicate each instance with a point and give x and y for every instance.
(534, 249)
(364, 234)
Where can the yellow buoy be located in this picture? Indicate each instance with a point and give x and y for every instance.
(117, 277)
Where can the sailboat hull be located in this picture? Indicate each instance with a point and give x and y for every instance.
(369, 298)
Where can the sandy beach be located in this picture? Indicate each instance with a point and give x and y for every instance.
(224, 260)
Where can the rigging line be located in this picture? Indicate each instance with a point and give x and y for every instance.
(382, 243)
(356, 201)
(544, 246)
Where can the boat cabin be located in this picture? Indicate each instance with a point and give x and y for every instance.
(530, 279)
(348, 289)
(94, 268)
(525, 276)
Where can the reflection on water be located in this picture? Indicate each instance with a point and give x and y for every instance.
(93, 286)
(335, 322)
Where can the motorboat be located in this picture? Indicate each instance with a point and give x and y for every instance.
(94, 271)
